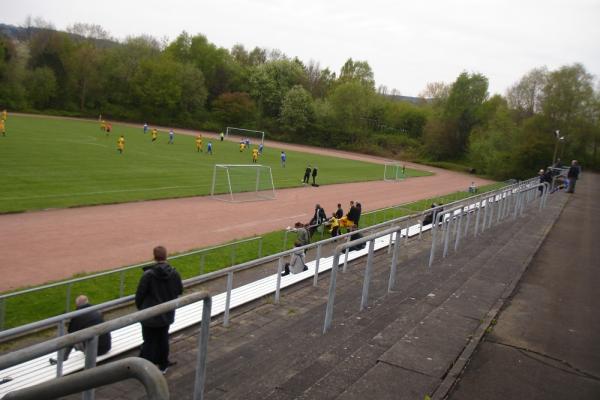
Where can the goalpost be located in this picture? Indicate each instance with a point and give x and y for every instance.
(393, 172)
(245, 132)
(242, 182)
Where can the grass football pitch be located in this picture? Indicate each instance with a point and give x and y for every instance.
(56, 163)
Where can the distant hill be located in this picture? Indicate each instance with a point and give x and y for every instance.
(409, 99)
(21, 33)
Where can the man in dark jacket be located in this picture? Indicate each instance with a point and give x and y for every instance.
(314, 175)
(318, 218)
(353, 213)
(85, 321)
(306, 175)
(339, 213)
(160, 283)
(573, 175)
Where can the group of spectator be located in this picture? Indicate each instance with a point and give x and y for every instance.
(159, 283)
(319, 220)
(552, 175)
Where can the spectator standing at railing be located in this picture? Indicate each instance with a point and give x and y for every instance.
(352, 213)
(573, 175)
(358, 213)
(159, 283)
(339, 213)
(85, 321)
(319, 217)
(302, 235)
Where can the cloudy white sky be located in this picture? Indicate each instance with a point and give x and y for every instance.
(408, 44)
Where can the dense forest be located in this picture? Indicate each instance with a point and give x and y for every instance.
(191, 82)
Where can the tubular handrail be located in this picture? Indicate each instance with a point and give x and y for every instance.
(522, 192)
(248, 264)
(90, 337)
(133, 367)
(55, 344)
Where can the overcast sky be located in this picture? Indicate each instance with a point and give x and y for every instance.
(406, 44)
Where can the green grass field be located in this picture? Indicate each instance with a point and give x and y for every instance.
(55, 163)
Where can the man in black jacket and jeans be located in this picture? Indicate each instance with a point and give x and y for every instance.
(160, 283)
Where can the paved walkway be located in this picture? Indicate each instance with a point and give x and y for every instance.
(546, 343)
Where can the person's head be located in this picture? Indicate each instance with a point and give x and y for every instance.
(351, 203)
(81, 300)
(358, 205)
(298, 224)
(317, 206)
(339, 205)
(160, 253)
(541, 172)
(574, 162)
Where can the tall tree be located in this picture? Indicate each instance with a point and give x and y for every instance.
(359, 71)
(466, 96)
(526, 96)
(297, 110)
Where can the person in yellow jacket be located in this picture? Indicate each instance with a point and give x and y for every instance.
(154, 134)
(103, 126)
(199, 143)
(121, 144)
(254, 155)
(4, 115)
(242, 146)
(3, 127)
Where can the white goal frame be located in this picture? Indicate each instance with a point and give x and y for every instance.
(396, 172)
(265, 194)
(262, 133)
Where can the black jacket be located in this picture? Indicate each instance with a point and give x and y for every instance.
(353, 214)
(85, 321)
(339, 213)
(160, 283)
(319, 216)
(573, 172)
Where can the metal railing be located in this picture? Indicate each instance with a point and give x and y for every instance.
(505, 202)
(133, 367)
(229, 272)
(90, 335)
(68, 284)
(370, 218)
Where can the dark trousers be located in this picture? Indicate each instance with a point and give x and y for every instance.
(305, 180)
(156, 345)
(572, 183)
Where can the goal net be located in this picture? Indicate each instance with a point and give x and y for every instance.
(393, 172)
(237, 183)
(253, 136)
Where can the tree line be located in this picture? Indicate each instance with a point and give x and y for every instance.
(191, 82)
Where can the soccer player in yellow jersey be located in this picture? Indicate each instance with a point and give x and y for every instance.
(154, 134)
(103, 126)
(242, 146)
(254, 155)
(199, 143)
(121, 144)
(2, 127)
(4, 115)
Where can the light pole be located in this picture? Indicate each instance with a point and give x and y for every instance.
(558, 139)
